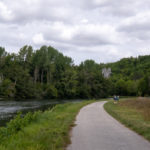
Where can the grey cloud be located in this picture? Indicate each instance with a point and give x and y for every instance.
(103, 30)
(137, 26)
(84, 39)
(123, 8)
(81, 34)
(81, 39)
(27, 11)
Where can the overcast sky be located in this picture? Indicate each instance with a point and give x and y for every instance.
(102, 30)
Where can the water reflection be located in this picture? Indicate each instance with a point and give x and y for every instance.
(8, 109)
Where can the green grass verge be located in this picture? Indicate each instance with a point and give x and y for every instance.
(131, 116)
(47, 130)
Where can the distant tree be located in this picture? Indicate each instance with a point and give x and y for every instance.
(7, 88)
(47, 73)
(132, 88)
(144, 85)
(121, 87)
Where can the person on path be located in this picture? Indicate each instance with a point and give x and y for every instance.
(116, 99)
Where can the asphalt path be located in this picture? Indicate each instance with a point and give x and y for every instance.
(96, 130)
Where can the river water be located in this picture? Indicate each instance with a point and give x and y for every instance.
(8, 109)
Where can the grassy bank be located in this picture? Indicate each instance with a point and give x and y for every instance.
(133, 113)
(47, 130)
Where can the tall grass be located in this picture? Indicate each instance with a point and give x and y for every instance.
(47, 130)
(134, 113)
(140, 104)
(16, 125)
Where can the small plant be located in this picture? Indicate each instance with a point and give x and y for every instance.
(17, 124)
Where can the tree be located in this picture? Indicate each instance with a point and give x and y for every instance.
(7, 88)
(47, 73)
(144, 85)
(132, 88)
(121, 87)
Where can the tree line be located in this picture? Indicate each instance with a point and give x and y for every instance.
(130, 76)
(48, 74)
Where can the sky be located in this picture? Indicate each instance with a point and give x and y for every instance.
(102, 30)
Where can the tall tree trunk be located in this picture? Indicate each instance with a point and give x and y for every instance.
(1, 78)
(50, 77)
(15, 81)
(36, 72)
(42, 76)
(47, 76)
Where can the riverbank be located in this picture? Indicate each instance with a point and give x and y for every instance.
(9, 109)
(43, 130)
(133, 113)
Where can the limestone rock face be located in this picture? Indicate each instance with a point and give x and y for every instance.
(106, 72)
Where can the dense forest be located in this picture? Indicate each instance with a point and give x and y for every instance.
(130, 76)
(46, 73)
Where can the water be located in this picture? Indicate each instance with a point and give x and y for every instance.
(8, 109)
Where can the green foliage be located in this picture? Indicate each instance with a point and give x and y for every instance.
(47, 73)
(130, 76)
(16, 124)
(48, 130)
(121, 87)
(50, 92)
(144, 86)
(91, 82)
(7, 88)
(132, 87)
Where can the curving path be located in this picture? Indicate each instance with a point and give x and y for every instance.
(97, 130)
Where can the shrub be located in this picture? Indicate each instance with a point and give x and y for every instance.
(17, 124)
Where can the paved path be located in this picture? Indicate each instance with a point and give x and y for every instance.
(96, 130)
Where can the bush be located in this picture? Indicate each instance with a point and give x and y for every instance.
(7, 88)
(50, 92)
(16, 124)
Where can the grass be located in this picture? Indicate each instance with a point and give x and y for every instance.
(47, 130)
(133, 113)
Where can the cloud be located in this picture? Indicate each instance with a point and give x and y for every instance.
(81, 34)
(38, 39)
(32, 10)
(84, 21)
(137, 26)
(91, 35)
(5, 14)
(102, 30)
(114, 8)
(139, 22)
